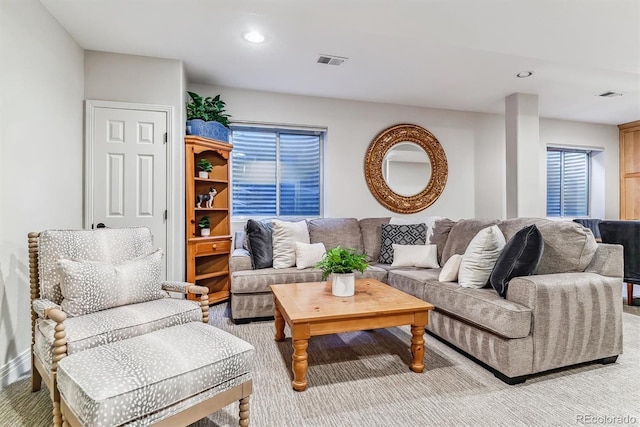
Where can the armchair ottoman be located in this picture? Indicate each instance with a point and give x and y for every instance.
(170, 377)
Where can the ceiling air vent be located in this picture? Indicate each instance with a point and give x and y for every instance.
(330, 59)
(610, 94)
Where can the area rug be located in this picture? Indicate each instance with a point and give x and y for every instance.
(363, 379)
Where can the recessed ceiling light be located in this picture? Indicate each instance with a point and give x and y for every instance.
(253, 37)
(524, 74)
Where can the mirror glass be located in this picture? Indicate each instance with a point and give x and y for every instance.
(406, 169)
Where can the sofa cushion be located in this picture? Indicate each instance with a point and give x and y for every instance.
(259, 238)
(371, 229)
(483, 307)
(285, 236)
(257, 281)
(461, 234)
(411, 280)
(520, 257)
(511, 226)
(115, 324)
(90, 286)
(405, 234)
(440, 233)
(333, 232)
(480, 257)
(568, 247)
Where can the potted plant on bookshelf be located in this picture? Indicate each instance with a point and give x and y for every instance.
(340, 263)
(205, 226)
(205, 167)
(207, 117)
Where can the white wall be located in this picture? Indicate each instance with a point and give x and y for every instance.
(588, 135)
(40, 157)
(474, 144)
(352, 125)
(144, 80)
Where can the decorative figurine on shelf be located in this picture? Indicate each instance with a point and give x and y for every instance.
(207, 198)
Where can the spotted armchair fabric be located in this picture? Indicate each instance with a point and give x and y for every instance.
(99, 314)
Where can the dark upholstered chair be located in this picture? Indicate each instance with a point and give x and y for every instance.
(592, 224)
(627, 234)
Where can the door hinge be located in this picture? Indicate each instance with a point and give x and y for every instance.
(166, 137)
(166, 214)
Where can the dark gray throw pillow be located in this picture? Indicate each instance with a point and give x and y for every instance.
(400, 234)
(260, 245)
(519, 257)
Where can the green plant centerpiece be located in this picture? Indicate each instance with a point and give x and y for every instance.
(340, 263)
(207, 117)
(205, 226)
(205, 167)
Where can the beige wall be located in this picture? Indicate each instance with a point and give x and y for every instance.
(40, 156)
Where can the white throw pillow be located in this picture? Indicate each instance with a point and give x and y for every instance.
(425, 256)
(480, 257)
(285, 236)
(90, 286)
(308, 255)
(450, 269)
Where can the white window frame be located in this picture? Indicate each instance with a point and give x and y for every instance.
(564, 149)
(280, 128)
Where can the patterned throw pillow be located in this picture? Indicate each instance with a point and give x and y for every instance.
(401, 234)
(90, 286)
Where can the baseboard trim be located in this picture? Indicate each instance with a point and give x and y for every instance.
(16, 368)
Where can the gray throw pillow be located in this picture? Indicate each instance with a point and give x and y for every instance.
(400, 234)
(259, 243)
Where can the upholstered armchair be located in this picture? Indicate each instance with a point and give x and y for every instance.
(96, 287)
(627, 234)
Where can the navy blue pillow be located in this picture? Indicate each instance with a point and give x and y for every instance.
(519, 257)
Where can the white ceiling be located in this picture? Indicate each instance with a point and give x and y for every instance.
(453, 54)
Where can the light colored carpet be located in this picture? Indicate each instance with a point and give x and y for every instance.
(363, 379)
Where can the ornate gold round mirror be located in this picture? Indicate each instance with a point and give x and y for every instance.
(405, 168)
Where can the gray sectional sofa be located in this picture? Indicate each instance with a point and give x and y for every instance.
(567, 313)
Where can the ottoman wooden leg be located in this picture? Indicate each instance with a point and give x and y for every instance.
(629, 293)
(244, 412)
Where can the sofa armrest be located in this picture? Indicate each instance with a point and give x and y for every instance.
(184, 287)
(240, 260)
(576, 317)
(607, 261)
(42, 307)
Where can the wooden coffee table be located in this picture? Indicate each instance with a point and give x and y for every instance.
(310, 309)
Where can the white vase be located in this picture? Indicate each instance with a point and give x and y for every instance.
(203, 174)
(343, 285)
(204, 232)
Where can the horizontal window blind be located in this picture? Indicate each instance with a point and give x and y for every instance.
(567, 183)
(276, 173)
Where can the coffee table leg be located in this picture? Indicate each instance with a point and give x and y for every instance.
(417, 348)
(279, 322)
(299, 364)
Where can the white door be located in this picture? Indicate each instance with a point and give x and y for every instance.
(127, 169)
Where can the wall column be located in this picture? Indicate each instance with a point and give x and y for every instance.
(525, 161)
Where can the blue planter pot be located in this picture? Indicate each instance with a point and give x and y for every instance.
(211, 130)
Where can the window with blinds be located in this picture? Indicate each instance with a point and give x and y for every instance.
(276, 173)
(567, 183)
